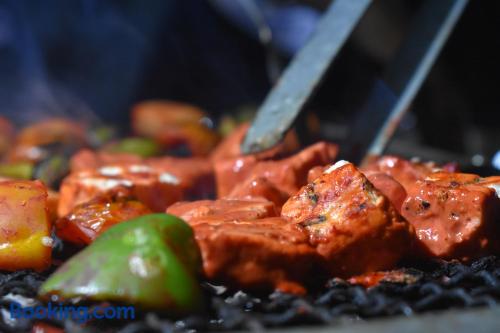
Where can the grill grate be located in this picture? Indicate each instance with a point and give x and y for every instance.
(438, 285)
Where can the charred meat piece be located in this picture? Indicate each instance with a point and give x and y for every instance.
(88, 220)
(492, 182)
(266, 255)
(389, 187)
(230, 147)
(453, 215)
(404, 171)
(400, 276)
(351, 224)
(155, 188)
(287, 175)
(222, 210)
(35, 142)
(195, 175)
(229, 172)
(259, 187)
(173, 124)
(315, 172)
(52, 204)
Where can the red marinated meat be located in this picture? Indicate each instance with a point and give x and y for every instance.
(403, 171)
(454, 216)
(222, 210)
(155, 188)
(389, 187)
(195, 175)
(174, 124)
(259, 187)
(229, 148)
(372, 279)
(266, 255)
(287, 175)
(351, 224)
(88, 220)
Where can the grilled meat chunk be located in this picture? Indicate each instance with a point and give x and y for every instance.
(259, 187)
(403, 171)
(174, 124)
(287, 175)
(400, 276)
(230, 147)
(33, 142)
(266, 255)
(222, 210)
(389, 187)
(195, 175)
(156, 189)
(454, 215)
(88, 220)
(351, 224)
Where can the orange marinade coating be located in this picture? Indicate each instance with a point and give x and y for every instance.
(195, 174)
(222, 210)
(230, 147)
(154, 188)
(259, 187)
(454, 216)
(351, 224)
(389, 187)
(287, 175)
(265, 254)
(24, 226)
(403, 171)
(87, 221)
(172, 124)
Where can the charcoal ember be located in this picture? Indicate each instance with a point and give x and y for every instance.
(439, 285)
(20, 287)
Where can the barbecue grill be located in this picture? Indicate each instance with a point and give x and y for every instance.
(434, 286)
(428, 296)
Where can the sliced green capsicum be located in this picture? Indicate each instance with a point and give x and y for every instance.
(151, 261)
(17, 170)
(143, 147)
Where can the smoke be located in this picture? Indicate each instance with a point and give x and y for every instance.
(74, 59)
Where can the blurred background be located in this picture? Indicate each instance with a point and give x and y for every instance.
(94, 59)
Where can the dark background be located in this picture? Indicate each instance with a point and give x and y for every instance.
(94, 59)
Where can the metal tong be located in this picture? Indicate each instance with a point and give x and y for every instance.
(380, 118)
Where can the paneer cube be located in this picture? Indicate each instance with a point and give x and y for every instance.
(24, 226)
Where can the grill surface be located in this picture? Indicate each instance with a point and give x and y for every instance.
(439, 285)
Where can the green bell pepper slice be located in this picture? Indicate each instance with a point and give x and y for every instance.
(18, 170)
(151, 262)
(143, 147)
